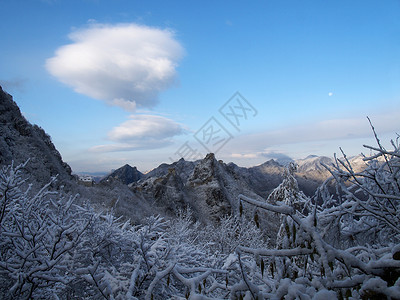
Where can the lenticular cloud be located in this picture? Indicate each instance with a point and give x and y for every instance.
(125, 65)
(141, 127)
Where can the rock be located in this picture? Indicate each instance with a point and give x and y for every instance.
(20, 141)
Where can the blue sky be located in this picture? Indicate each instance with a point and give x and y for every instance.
(146, 82)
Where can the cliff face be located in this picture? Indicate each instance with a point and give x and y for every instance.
(20, 141)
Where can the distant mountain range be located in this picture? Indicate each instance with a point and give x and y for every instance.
(262, 178)
(211, 187)
(208, 186)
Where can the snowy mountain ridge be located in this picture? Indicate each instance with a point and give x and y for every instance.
(209, 187)
(174, 184)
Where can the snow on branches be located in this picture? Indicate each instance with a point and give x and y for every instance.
(51, 247)
(346, 245)
(37, 234)
(341, 244)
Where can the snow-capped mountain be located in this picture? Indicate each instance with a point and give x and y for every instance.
(313, 163)
(312, 167)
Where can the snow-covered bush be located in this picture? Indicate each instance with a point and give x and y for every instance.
(207, 250)
(37, 234)
(288, 193)
(150, 261)
(346, 246)
(337, 245)
(232, 231)
(53, 248)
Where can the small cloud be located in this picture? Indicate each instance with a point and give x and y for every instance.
(141, 132)
(330, 94)
(142, 127)
(248, 155)
(293, 138)
(123, 147)
(125, 104)
(120, 64)
(229, 23)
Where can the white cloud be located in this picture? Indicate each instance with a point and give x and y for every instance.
(267, 154)
(126, 65)
(334, 129)
(246, 155)
(321, 138)
(132, 146)
(141, 132)
(125, 104)
(145, 127)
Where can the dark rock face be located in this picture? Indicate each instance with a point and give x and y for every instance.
(125, 174)
(262, 179)
(211, 188)
(20, 141)
(207, 186)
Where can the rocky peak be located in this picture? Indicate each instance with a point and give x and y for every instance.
(126, 174)
(20, 141)
(206, 170)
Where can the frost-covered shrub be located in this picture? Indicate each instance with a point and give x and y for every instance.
(52, 248)
(340, 245)
(365, 208)
(210, 252)
(288, 193)
(37, 235)
(232, 231)
(348, 246)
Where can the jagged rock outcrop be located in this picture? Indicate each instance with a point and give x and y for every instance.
(207, 186)
(20, 141)
(125, 174)
(164, 187)
(212, 183)
(211, 187)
